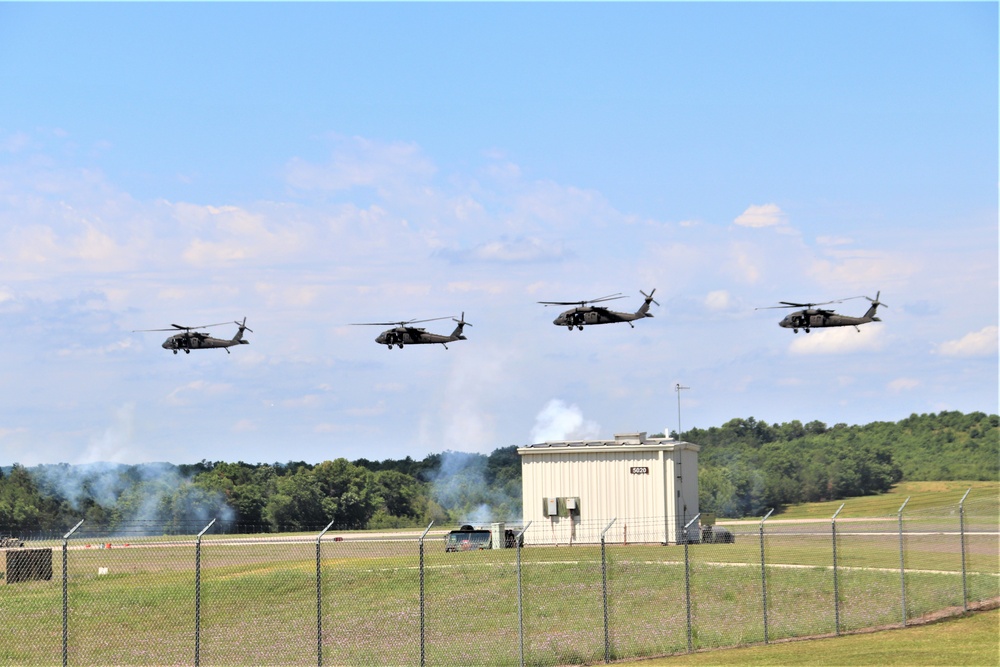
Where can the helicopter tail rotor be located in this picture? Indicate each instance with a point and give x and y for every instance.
(650, 296)
(875, 302)
(457, 333)
(870, 315)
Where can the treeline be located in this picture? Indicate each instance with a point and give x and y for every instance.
(745, 467)
(262, 497)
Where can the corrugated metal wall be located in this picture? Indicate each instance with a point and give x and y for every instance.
(604, 481)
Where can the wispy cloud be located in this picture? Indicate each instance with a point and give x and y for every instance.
(763, 215)
(982, 343)
(840, 340)
(503, 251)
(357, 162)
(903, 384)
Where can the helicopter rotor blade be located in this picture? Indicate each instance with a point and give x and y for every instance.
(462, 321)
(201, 326)
(400, 324)
(610, 297)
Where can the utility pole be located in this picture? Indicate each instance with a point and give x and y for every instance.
(678, 388)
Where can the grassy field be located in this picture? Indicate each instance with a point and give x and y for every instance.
(972, 640)
(258, 599)
(923, 496)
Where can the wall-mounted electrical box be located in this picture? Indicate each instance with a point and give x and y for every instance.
(562, 507)
(551, 506)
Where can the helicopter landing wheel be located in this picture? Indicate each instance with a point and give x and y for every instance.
(807, 330)
(186, 351)
(580, 327)
(175, 351)
(795, 330)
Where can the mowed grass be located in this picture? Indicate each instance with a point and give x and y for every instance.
(258, 603)
(972, 640)
(258, 599)
(924, 496)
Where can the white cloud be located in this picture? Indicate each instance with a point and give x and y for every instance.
(864, 271)
(765, 215)
(183, 395)
(839, 340)
(358, 162)
(521, 250)
(982, 343)
(903, 384)
(238, 234)
(719, 300)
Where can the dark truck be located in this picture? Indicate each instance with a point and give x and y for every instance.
(468, 538)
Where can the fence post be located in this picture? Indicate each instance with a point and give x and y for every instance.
(65, 592)
(687, 579)
(961, 532)
(763, 572)
(836, 595)
(319, 599)
(197, 594)
(902, 566)
(520, 599)
(604, 592)
(423, 654)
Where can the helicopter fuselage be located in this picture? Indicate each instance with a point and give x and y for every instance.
(587, 315)
(190, 339)
(404, 335)
(188, 342)
(813, 319)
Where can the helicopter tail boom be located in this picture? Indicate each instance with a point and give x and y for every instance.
(870, 314)
(644, 308)
(238, 338)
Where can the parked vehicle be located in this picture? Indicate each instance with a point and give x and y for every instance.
(716, 535)
(469, 538)
(10, 542)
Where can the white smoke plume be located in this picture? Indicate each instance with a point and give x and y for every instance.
(560, 421)
(462, 487)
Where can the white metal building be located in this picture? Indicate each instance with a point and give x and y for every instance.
(571, 490)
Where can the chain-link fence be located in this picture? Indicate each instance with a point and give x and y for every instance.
(610, 592)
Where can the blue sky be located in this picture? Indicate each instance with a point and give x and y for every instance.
(312, 165)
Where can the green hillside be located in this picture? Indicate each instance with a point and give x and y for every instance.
(746, 467)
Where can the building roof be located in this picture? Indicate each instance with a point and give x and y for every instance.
(629, 440)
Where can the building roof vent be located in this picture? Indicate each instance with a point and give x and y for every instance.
(630, 438)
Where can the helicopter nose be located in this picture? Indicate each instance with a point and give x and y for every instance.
(166, 345)
(558, 321)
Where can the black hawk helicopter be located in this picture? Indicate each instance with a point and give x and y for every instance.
(403, 333)
(813, 317)
(192, 339)
(585, 314)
